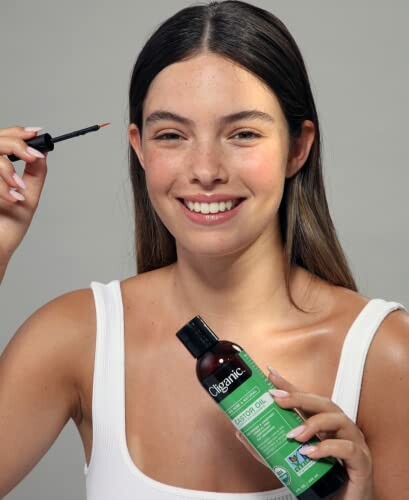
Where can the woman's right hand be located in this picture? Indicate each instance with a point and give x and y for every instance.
(16, 215)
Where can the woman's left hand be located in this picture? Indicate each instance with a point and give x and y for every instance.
(339, 435)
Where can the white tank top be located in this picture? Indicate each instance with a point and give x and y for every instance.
(112, 475)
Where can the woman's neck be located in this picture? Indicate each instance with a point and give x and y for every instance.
(241, 298)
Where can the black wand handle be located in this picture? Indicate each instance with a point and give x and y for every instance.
(42, 143)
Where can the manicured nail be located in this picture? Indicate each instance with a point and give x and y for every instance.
(297, 430)
(16, 195)
(34, 152)
(33, 129)
(273, 371)
(19, 181)
(278, 393)
(304, 450)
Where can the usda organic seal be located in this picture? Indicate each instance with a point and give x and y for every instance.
(282, 474)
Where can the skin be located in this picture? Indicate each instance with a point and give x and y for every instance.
(236, 266)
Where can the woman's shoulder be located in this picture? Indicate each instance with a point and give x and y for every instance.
(393, 325)
(386, 364)
(74, 310)
(66, 316)
(78, 306)
(338, 308)
(50, 343)
(389, 349)
(72, 315)
(390, 344)
(385, 384)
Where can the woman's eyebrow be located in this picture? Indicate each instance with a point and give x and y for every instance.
(248, 114)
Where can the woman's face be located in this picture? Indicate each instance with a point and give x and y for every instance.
(246, 158)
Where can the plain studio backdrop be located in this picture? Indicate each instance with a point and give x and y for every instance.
(67, 65)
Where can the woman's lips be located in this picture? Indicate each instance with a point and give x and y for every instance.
(211, 219)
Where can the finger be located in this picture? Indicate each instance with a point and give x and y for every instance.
(305, 401)
(34, 176)
(5, 194)
(18, 147)
(279, 381)
(7, 171)
(18, 131)
(283, 384)
(355, 457)
(334, 424)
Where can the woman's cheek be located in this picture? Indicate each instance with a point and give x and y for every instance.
(160, 170)
(161, 176)
(264, 173)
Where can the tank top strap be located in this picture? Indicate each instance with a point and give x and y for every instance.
(348, 381)
(107, 396)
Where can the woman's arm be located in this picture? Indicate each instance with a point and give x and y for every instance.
(38, 385)
(385, 403)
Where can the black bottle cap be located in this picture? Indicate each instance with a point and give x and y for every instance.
(197, 337)
(42, 143)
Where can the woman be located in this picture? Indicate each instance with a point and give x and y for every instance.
(221, 109)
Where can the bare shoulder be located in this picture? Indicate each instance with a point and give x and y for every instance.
(388, 355)
(72, 318)
(39, 383)
(386, 374)
(390, 344)
(53, 337)
(384, 405)
(59, 322)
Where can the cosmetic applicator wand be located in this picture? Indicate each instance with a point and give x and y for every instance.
(45, 142)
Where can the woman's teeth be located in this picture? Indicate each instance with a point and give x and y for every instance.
(213, 208)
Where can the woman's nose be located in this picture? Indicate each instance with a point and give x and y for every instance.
(207, 165)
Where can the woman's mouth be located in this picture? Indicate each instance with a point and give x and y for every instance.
(216, 212)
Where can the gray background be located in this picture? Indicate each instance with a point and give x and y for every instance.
(66, 66)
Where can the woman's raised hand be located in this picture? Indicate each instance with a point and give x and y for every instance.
(16, 213)
(340, 437)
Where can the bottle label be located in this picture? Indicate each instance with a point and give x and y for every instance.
(241, 390)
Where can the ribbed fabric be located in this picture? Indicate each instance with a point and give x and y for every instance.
(112, 475)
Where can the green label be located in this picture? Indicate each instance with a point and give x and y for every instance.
(241, 390)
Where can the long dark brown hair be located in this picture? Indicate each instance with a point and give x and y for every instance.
(261, 43)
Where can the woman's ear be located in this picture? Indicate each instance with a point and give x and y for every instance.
(136, 142)
(300, 148)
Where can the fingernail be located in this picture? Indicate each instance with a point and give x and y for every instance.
(19, 181)
(297, 430)
(16, 195)
(273, 371)
(34, 152)
(306, 449)
(33, 129)
(278, 393)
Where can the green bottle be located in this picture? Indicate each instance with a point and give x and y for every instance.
(240, 388)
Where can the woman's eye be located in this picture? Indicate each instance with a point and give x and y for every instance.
(248, 132)
(161, 137)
